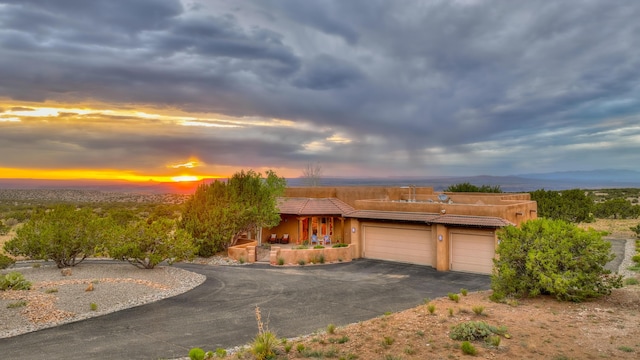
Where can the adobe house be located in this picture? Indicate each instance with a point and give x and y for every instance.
(447, 231)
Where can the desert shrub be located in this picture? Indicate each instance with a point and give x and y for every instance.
(636, 258)
(264, 344)
(280, 261)
(331, 329)
(6, 261)
(468, 349)
(475, 330)
(431, 308)
(464, 292)
(145, 244)
(494, 340)
(4, 229)
(301, 262)
(453, 297)
(196, 354)
(478, 310)
(63, 234)
(17, 304)
(636, 229)
(631, 281)
(552, 257)
(14, 281)
(93, 306)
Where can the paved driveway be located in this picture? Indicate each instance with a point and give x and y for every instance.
(220, 312)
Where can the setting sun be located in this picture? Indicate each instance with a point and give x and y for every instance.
(183, 178)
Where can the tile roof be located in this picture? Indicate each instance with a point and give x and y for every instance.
(431, 218)
(392, 215)
(313, 206)
(469, 220)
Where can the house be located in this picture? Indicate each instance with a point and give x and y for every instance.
(447, 231)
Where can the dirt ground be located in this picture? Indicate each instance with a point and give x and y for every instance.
(541, 328)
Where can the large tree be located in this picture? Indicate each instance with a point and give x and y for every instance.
(312, 174)
(217, 214)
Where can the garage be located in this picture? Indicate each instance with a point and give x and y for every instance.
(412, 245)
(472, 251)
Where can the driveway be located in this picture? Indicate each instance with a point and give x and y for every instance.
(220, 313)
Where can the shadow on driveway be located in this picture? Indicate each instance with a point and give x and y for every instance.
(221, 312)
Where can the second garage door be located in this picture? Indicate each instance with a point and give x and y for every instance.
(472, 252)
(409, 245)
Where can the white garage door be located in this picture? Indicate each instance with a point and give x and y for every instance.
(472, 252)
(413, 246)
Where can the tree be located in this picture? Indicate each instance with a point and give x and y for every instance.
(217, 214)
(569, 205)
(63, 234)
(311, 174)
(616, 208)
(552, 257)
(146, 244)
(468, 187)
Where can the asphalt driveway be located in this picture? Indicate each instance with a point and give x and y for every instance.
(220, 312)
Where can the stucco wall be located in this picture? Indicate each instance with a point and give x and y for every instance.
(308, 256)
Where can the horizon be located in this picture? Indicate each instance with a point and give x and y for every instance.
(174, 90)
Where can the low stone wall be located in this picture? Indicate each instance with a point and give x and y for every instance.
(244, 250)
(282, 256)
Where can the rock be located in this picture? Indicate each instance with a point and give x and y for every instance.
(90, 287)
(66, 272)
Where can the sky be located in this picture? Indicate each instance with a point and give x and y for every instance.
(171, 90)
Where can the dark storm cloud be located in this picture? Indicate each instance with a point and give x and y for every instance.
(411, 77)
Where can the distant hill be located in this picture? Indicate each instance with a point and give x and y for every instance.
(596, 179)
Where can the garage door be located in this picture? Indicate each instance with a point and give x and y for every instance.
(472, 252)
(413, 246)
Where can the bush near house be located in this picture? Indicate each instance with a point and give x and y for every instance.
(552, 257)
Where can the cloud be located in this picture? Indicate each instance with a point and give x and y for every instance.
(419, 87)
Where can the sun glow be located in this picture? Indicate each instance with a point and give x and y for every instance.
(183, 178)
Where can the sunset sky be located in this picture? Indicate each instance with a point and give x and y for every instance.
(156, 89)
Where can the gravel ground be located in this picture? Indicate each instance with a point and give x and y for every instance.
(56, 299)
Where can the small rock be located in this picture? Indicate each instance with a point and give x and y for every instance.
(65, 272)
(90, 287)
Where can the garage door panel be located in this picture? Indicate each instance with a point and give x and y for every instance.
(398, 244)
(472, 252)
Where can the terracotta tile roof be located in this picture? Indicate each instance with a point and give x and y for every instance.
(313, 206)
(431, 218)
(392, 215)
(469, 220)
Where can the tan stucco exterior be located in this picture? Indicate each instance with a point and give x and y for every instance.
(513, 208)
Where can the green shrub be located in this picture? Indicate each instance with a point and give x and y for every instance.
(331, 329)
(287, 347)
(318, 247)
(475, 330)
(93, 306)
(301, 262)
(431, 308)
(220, 352)
(14, 281)
(280, 261)
(6, 261)
(196, 354)
(478, 310)
(339, 245)
(494, 340)
(468, 349)
(636, 258)
(636, 229)
(146, 244)
(63, 234)
(264, 344)
(300, 348)
(631, 281)
(464, 292)
(552, 257)
(454, 297)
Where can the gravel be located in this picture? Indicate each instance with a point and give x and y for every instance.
(55, 299)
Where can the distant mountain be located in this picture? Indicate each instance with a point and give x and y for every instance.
(596, 179)
(606, 175)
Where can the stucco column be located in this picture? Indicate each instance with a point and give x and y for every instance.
(442, 247)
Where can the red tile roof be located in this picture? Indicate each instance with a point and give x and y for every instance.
(313, 206)
(469, 220)
(392, 215)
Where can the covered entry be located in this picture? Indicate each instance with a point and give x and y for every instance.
(408, 244)
(472, 251)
